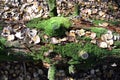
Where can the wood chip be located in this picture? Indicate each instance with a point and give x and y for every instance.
(36, 39)
(105, 24)
(103, 45)
(10, 37)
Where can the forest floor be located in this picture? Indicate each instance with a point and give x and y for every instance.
(108, 68)
(77, 47)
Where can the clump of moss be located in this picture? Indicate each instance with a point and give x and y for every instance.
(34, 22)
(70, 53)
(72, 49)
(114, 22)
(2, 44)
(117, 44)
(55, 26)
(69, 50)
(95, 51)
(98, 31)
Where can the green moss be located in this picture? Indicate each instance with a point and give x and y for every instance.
(117, 44)
(116, 52)
(114, 22)
(39, 55)
(95, 51)
(97, 22)
(99, 31)
(72, 49)
(2, 44)
(2, 40)
(0, 27)
(55, 26)
(83, 38)
(69, 50)
(34, 22)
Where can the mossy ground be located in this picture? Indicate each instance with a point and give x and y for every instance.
(98, 31)
(55, 26)
(97, 22)
(69, 50)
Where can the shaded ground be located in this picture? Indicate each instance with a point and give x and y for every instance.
(107, 69)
